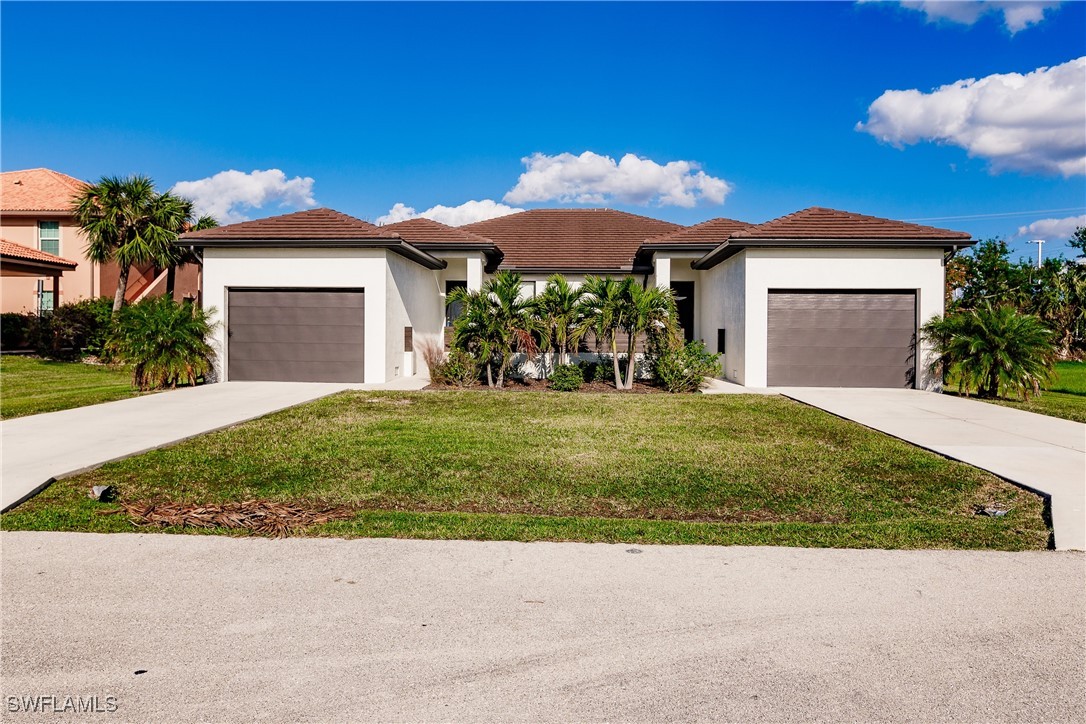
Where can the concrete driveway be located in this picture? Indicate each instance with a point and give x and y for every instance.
(39, 448)
(1042, 453)
(389, 630)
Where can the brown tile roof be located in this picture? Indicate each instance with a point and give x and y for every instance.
(314, 224)
(713, 231)
(820, 223)
(427, 232)
(9, 249)
(570, 239)
(38, 189)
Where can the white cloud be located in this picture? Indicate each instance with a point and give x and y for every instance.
(594, 179)
(1053, 229)
(1017, 14)
(1031, 122)
(229, 194)
(465, 213)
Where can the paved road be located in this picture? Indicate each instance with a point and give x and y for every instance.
(332, 630)
(1039, 452)
(39, 448)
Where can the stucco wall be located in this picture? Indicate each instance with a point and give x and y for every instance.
(413, 298)
(722, 295)
(916, 269)
(20, 293)
(337, 268)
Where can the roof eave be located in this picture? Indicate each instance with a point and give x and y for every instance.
(396, 246)
(731, 247)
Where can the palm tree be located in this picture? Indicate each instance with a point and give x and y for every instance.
(187, 255)
(559, 309)
(995, 350)
(603, 309)
(128, 222)
(496, 322)
(649, 311)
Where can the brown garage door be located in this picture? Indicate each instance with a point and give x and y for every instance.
(841, 339)
(295, 335)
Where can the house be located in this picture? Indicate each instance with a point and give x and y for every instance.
(20, 261)
(35, 212)
(819, 297)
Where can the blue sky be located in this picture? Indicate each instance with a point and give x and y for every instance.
(426, 105)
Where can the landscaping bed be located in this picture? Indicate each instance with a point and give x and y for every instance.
(528, 384)
(728, 469)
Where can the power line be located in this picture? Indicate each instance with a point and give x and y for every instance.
(1000, 215)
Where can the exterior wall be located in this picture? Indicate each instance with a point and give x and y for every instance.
(917, 269)
(88, 280)
(20, 294)
(367, 269)
(722, 305)
(414, 297)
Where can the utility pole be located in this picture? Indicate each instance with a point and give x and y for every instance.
(1038, 242)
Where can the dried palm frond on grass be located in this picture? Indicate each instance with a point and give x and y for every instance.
(258, 516)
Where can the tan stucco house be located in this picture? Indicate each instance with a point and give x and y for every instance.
(34, 213)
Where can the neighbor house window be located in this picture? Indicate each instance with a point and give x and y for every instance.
(49, 237)
(45, 299)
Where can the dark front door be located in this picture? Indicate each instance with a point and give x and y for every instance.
(841, 338)
(684, 300)
(296, 335)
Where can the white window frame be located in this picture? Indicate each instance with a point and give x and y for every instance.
(42, 238)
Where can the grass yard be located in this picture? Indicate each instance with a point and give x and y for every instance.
(742, 469)
(1065, 395)
(29, 385)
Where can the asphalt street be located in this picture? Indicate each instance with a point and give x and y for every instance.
(330, 630)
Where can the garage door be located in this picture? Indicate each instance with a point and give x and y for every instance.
(841, 339)
(295, 335)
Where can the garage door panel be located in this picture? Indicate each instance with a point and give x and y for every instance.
(841, 339)
(296, 335)
(308, 299)
(307, 334)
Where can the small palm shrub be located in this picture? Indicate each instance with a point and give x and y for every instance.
(459, 368)
(164, 341)
(994, 350)
(566, 378)
(15, 330)
(684, 369)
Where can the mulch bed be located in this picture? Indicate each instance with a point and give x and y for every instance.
(532, 385)
(256, 516)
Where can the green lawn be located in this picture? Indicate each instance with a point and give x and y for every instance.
(29, 385)
(725, 469)
(1064, 396)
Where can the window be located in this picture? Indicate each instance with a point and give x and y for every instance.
(49, 237)
(453, 310)
(45, 299)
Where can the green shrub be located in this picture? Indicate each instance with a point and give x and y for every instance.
(993, 350)
(600, 370)
(15, 330)
(684, 369)
(164, 341)
(459, 369)
(566, 378)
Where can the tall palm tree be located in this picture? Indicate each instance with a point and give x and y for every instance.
(994, 350)
(128, 222)
(650, 311)
(185, 255)
(559, 308)
(497, 323)
(603, 309)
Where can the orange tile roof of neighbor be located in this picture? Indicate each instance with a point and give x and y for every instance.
(38, 189)
(603, 239)
(821, 223)
(314, 224)
(9, 249)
